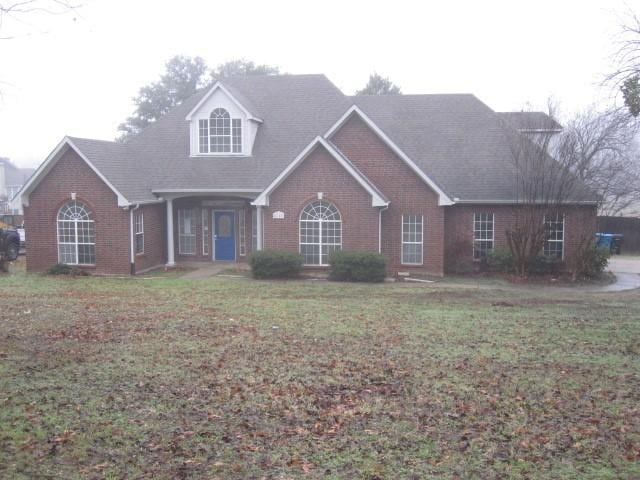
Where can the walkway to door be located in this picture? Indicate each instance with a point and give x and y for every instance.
(209, 269)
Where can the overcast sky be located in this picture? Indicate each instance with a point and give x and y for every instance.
(76, 74)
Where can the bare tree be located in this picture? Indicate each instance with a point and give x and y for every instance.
(20, 9)
(626, 78)
(544, 185)
(602, 149)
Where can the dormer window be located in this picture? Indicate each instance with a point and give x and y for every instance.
(220, 133)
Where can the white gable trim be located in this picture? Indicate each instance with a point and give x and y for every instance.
(220, 86)
(22, 197)
(443, 198)
(263, 198)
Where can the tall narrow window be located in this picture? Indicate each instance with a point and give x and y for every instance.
(236, 135)
(76, 235)
(412, 239)
(206, 236)
(482, 235)
(554, 229)
(219, 131)
(186, 232)
(203, 135)
(254, 229)
(138, 230)
(320, 232)
(242, 239)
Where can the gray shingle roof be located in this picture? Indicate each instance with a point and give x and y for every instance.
(530, 121)
(456, 140)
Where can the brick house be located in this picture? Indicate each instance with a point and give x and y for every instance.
(289, 162)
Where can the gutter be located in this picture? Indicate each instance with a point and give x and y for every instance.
(380, 226)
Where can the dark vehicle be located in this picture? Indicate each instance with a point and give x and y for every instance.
(9, 244)
(610, 241)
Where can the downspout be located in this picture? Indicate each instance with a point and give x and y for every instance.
(380, 227)
(132, 240)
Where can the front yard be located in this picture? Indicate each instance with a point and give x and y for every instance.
(232, 378)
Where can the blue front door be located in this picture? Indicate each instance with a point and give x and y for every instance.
(224, 235)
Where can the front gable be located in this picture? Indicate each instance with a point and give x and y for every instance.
(377, 198)
(64, 147)
(355, 112)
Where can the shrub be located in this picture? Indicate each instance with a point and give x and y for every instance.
(275, 264)
(499, 260)
(59, 269)
(62, 269)
(545, 265)
(457, 257)
(356, 266)
(592, 262)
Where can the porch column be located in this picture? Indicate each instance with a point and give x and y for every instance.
(259, 227)
(170, 249)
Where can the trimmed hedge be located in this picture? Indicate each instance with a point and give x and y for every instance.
(357, 266)
(275, 264)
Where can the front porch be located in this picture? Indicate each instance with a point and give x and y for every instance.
(211, 228)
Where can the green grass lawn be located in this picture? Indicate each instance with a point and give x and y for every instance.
(232, 378)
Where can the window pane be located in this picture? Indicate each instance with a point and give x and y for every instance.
(483, 228)
(412, 234)
(186, 232)
(206, 239)
(237, 135)
(320, 232)
(242, 233)
(554, 229)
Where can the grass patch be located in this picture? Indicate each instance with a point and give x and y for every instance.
(235, 378)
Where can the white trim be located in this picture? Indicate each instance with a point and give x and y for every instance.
(443, 198)
(524, 203)
(171, 251)
(22, 197)
(544, 221)
(205, 190)
(220, 86)
(263, 198)
(192, 226)
(259, 228)
(214, 234)
(473, 230)
(319, 243)
(402, 242)
(135, 232)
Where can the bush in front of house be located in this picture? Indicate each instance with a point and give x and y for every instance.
(355, 266)
(499, 260)
(63, 269)
(592, 262)
(275, 264)
(59, 269)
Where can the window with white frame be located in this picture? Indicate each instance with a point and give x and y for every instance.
(320, 232)
(482, 234)
(138, 230)
(220, 133)
(554, 230)
(76, 235)
(206, 235)
(412, 234)
(186, 231)
(242, 239)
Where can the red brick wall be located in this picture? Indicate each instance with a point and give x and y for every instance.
(409, 195)
(579, 220)
(154, 237)
(320, 172)
(69, 175)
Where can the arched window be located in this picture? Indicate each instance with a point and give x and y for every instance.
(220, 133)
(76, 235)
(320, 232)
